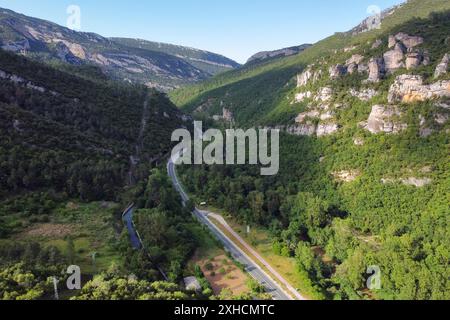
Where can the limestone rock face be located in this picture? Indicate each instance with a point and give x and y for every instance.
(416, 182)
(309, 114)
(393, 59)
(325, 94)
(383, 119)
(327, 129)
(327, 115)
(376, 69)
(392, 42)
(302, 96)
(412, 181)
(337, 71)
(352, 68)
(364, 95)
(363, 68)
(308, 129)
(442, 67)
(410, 88)
(304, 77)
(413, 60)
(17, 46)
(346, 175)
(356, 58)
(408, 41)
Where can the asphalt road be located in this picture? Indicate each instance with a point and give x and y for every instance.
(250, 266)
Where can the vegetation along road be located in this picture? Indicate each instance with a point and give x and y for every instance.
(278, 292)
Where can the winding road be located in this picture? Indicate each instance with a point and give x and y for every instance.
(272, 287)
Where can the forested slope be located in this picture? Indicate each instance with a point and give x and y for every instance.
(364, 162)
(64, 134)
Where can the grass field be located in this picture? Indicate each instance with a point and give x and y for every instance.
(90, 226)
(220, 271)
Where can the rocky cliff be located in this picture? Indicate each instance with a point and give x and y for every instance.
(155, 65)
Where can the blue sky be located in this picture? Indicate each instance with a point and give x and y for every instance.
(234, 28)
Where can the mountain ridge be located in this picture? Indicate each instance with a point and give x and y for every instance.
(279, 53)
(363, 179)
(45, 40)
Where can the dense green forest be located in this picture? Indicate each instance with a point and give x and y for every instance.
(65, 136)
(67, 140)
(342, 202)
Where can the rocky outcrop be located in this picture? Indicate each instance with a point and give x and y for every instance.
(392, 42)
(324, 129)
(408, 41)
(337, 71)
(442, 67)
(325, 94)
(410, 88)
(327, 115)
(412, 181)
(376, 69)
(306, 129)
(405, 39)
(304, 77)
(374, 21)
(306, 115)
(309, 128)
(356, 59)
(307, 123)
(346, 175)
(351, 66)
(299, 97)
(355, 64)
(23, 82)
(393, 59)
(417, 182)
(401, 55)
(364, 95)
(285, 52)
(413, 60)
(20, 46)
(64, 54)
(385, 119)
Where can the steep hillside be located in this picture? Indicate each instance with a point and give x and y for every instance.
(163, 68)
(285, 52)
(66, 135)
(364, 163)
(208, 62)
(261, 94)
